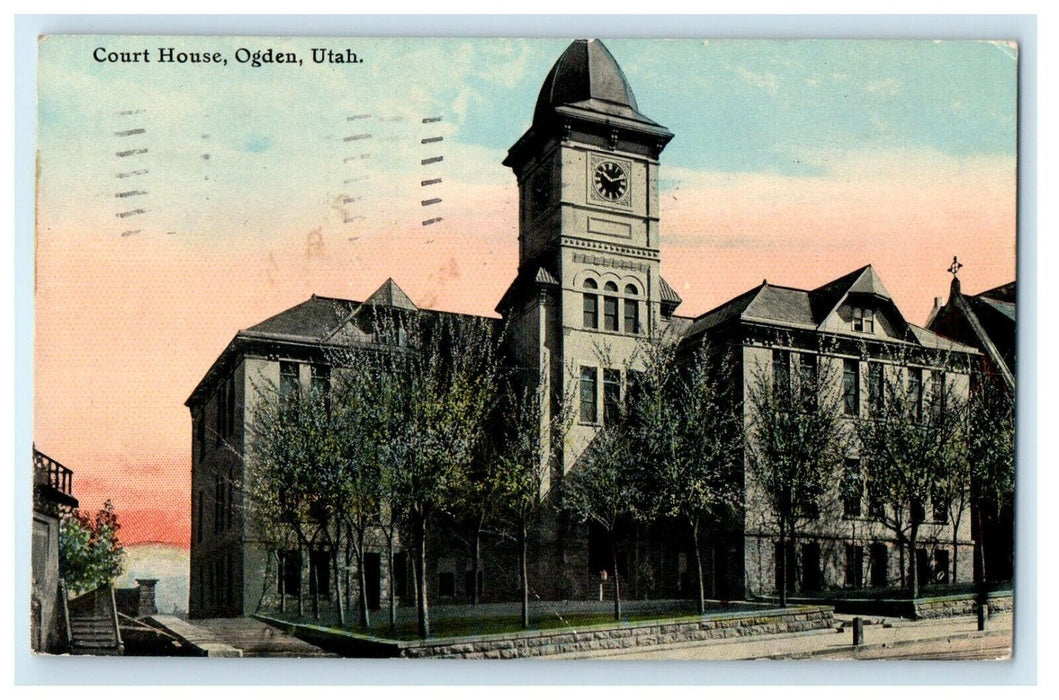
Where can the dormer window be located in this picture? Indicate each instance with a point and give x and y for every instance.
(863, 320)
(591, 312)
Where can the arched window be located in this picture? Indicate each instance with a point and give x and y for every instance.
(632, 309)
(610, 307)
(591, 311)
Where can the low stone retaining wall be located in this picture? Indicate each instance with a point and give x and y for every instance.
(921, 608)
(562, 641)
(950, 606)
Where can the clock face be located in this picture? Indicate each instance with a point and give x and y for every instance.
(611, 181)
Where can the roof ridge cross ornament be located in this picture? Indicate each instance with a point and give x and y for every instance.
(954, 268)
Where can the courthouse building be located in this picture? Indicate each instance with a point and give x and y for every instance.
(589, 278)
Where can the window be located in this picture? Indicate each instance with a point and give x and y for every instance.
(290, 567)
(200, 435)
(591, 313)
(939, 507)
(854, 565)
(632, 309)
(863, 320)
(611, 396)
(588, 394)
(320, 385)
(633, 384)
(807, 379)
(918, 511)
(876, 506)
(201, 525)
(610, 308)
(219, 404)
(880, 565)
(229, 405)
(288, 381)
(915, 392)
(876, 387)
(851, 489)
(781, 374)
(851, 387)
(446, 584)
(218, 504)
(937, 392)
(941, 566)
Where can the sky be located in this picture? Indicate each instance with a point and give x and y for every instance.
(242, 190)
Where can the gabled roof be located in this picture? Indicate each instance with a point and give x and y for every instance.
(389, 294)
(808, 310)
(313, 319)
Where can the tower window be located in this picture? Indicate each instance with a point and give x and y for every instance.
(610, 313)
(632, 309)
(588, 394)
(591, 312)
(610, 307)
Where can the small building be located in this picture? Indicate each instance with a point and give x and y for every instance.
(52, 497)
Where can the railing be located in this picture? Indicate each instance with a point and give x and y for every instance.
(49, 472)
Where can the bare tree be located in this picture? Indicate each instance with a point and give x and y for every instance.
(685, 425)
(912, 445)
(795, 442)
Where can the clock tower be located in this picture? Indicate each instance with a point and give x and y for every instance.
(588, 290)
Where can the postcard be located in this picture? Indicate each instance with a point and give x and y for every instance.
(505, 348)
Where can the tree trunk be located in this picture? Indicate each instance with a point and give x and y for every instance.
(523, 572)
(421, 555)
(955, 549)
(698, 564)
(301, 596)
(282, 583)
(617, 585)
(476, 593)
(338, 589)
(913, 572)
(314, 587)
(783, 562)
(393, 592)
(362, 580)
(348, 576)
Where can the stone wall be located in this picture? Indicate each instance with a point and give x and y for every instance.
(639, 634)
(950, 606)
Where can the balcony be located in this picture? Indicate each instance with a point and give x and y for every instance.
(52, 482)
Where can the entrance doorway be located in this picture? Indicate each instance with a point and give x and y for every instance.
(373, 579)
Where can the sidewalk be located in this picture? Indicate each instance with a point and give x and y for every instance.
(883, 634)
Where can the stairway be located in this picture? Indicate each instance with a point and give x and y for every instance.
(94, 624)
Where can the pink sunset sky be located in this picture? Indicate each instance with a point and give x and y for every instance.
(126, 325)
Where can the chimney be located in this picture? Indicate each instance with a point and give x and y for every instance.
(146, 602)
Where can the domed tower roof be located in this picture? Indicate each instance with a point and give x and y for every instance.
(586, 75)
(587, 94)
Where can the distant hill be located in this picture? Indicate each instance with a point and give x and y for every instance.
(166, 562)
